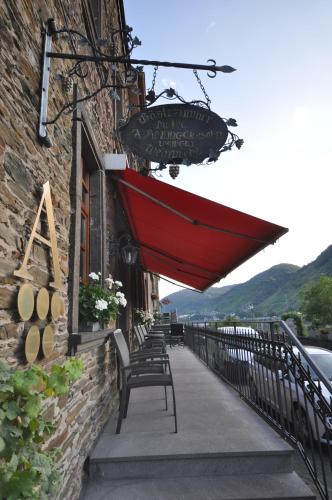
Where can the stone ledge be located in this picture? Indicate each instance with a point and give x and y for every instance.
(86, 340)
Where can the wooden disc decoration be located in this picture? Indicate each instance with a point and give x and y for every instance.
(43, 303)
(56, 306)
(32, 344)
(25, 302)
(48, 341)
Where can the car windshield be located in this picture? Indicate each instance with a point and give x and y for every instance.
(323, 361)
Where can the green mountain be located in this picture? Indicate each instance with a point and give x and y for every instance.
(269, 293)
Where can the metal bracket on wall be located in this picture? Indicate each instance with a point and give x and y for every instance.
(46, 68)
(100, 59)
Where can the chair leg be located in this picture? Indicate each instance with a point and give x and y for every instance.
(121, 410)
(174, 408)
(166, 403)
(127, 403)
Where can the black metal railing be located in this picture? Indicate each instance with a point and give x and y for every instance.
(265, 362)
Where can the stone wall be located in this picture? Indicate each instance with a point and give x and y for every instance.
(25, 165)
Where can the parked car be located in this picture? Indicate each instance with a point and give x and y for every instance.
(272, 384)
(246, 331)
(236, 352)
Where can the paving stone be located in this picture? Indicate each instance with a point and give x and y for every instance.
(220, 440)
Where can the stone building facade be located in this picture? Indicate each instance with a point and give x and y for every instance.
(80, 138)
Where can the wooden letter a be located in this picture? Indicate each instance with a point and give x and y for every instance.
(52, 243)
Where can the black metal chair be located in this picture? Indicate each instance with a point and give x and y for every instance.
(141, 374)
(176, 336)
(148, 334)
(149, 343)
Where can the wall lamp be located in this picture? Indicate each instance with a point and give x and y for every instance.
(121, 245)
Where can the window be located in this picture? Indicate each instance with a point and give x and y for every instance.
(87, 248)
(85, 225)
(92, 18)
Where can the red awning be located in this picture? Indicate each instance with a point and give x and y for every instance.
(186, 237)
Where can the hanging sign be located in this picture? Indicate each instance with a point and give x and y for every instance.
(174, 133)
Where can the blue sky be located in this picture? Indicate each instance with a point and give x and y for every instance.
(281, 97)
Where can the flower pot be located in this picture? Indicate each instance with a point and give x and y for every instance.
(90, 327)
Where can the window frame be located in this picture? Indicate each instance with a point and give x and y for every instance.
(85, 214)
(93, 24)
(85, 147)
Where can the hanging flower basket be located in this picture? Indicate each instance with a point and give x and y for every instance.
(143, 317)
(98, 304)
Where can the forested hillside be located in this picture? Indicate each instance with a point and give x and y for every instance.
(269, 293)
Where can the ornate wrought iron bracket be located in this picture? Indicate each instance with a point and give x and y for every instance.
(100, 59)
(144, 62)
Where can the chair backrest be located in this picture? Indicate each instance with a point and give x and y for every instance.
(120, 344)
(138, 334)
(177, 329)
(144, 330)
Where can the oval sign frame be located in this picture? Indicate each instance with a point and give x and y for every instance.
(174, 133)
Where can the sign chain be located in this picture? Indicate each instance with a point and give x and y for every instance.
(155, 69)
(208, 100)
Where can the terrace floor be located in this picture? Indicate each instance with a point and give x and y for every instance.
(220, 439)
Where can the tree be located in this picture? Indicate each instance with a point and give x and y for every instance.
(316, 302)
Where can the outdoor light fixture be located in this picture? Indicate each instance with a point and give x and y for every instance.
(128, 251)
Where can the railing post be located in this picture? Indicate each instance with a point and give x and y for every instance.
(206, 349)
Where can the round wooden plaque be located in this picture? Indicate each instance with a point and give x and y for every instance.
(43, 303)
(25, 302)
(56, 306)
(48, 341)
(32, 344)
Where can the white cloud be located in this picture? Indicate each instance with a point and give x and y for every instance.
(211, 25)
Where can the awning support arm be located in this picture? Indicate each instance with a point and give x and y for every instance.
(179, 261)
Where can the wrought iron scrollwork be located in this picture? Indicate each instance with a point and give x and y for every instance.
(114, 71)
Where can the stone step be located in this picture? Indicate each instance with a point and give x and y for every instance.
(284, 486)
(174, 466)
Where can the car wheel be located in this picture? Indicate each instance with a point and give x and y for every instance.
(302, 426)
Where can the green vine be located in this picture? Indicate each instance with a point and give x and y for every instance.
(297, 318)
(26, 470)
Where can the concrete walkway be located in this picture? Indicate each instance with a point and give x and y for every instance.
(220, 439)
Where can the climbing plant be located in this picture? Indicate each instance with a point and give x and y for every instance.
(26, 470)
(297, 318)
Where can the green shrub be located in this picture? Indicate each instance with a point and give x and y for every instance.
(26, 470)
